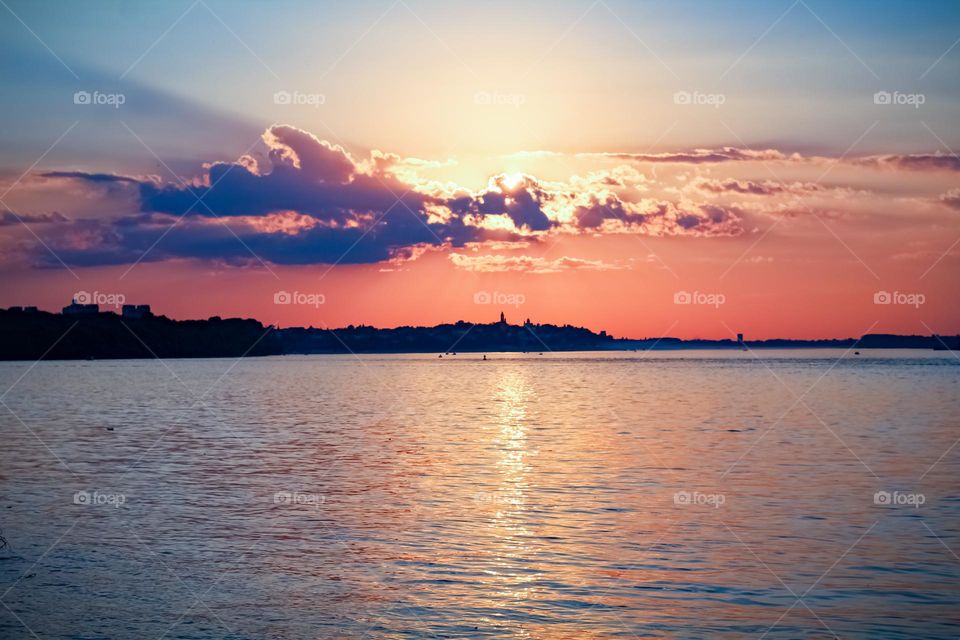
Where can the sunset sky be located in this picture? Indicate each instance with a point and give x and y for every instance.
(787, 164)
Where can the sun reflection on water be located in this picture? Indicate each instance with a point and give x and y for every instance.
(510, 494)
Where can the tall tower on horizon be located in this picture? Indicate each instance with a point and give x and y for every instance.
(503, 318)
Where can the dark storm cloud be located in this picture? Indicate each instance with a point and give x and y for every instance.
(311, 202)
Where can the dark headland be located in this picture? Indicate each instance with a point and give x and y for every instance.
(30, 334)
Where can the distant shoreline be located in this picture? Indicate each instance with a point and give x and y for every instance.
(29, 334)
(470, 355)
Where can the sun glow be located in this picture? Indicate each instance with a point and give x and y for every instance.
(512, 181)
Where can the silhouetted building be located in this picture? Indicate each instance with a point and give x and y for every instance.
(75, 309)
(503, 318)
(739, 338)
(136, 311)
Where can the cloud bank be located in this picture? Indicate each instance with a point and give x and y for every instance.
(303, 200)
(311, 202)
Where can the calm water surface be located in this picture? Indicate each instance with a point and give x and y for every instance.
(667, 495)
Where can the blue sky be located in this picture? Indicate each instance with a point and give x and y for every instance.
(395, 75)
(595, 150)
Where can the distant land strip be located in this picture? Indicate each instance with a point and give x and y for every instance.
(30, 334)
